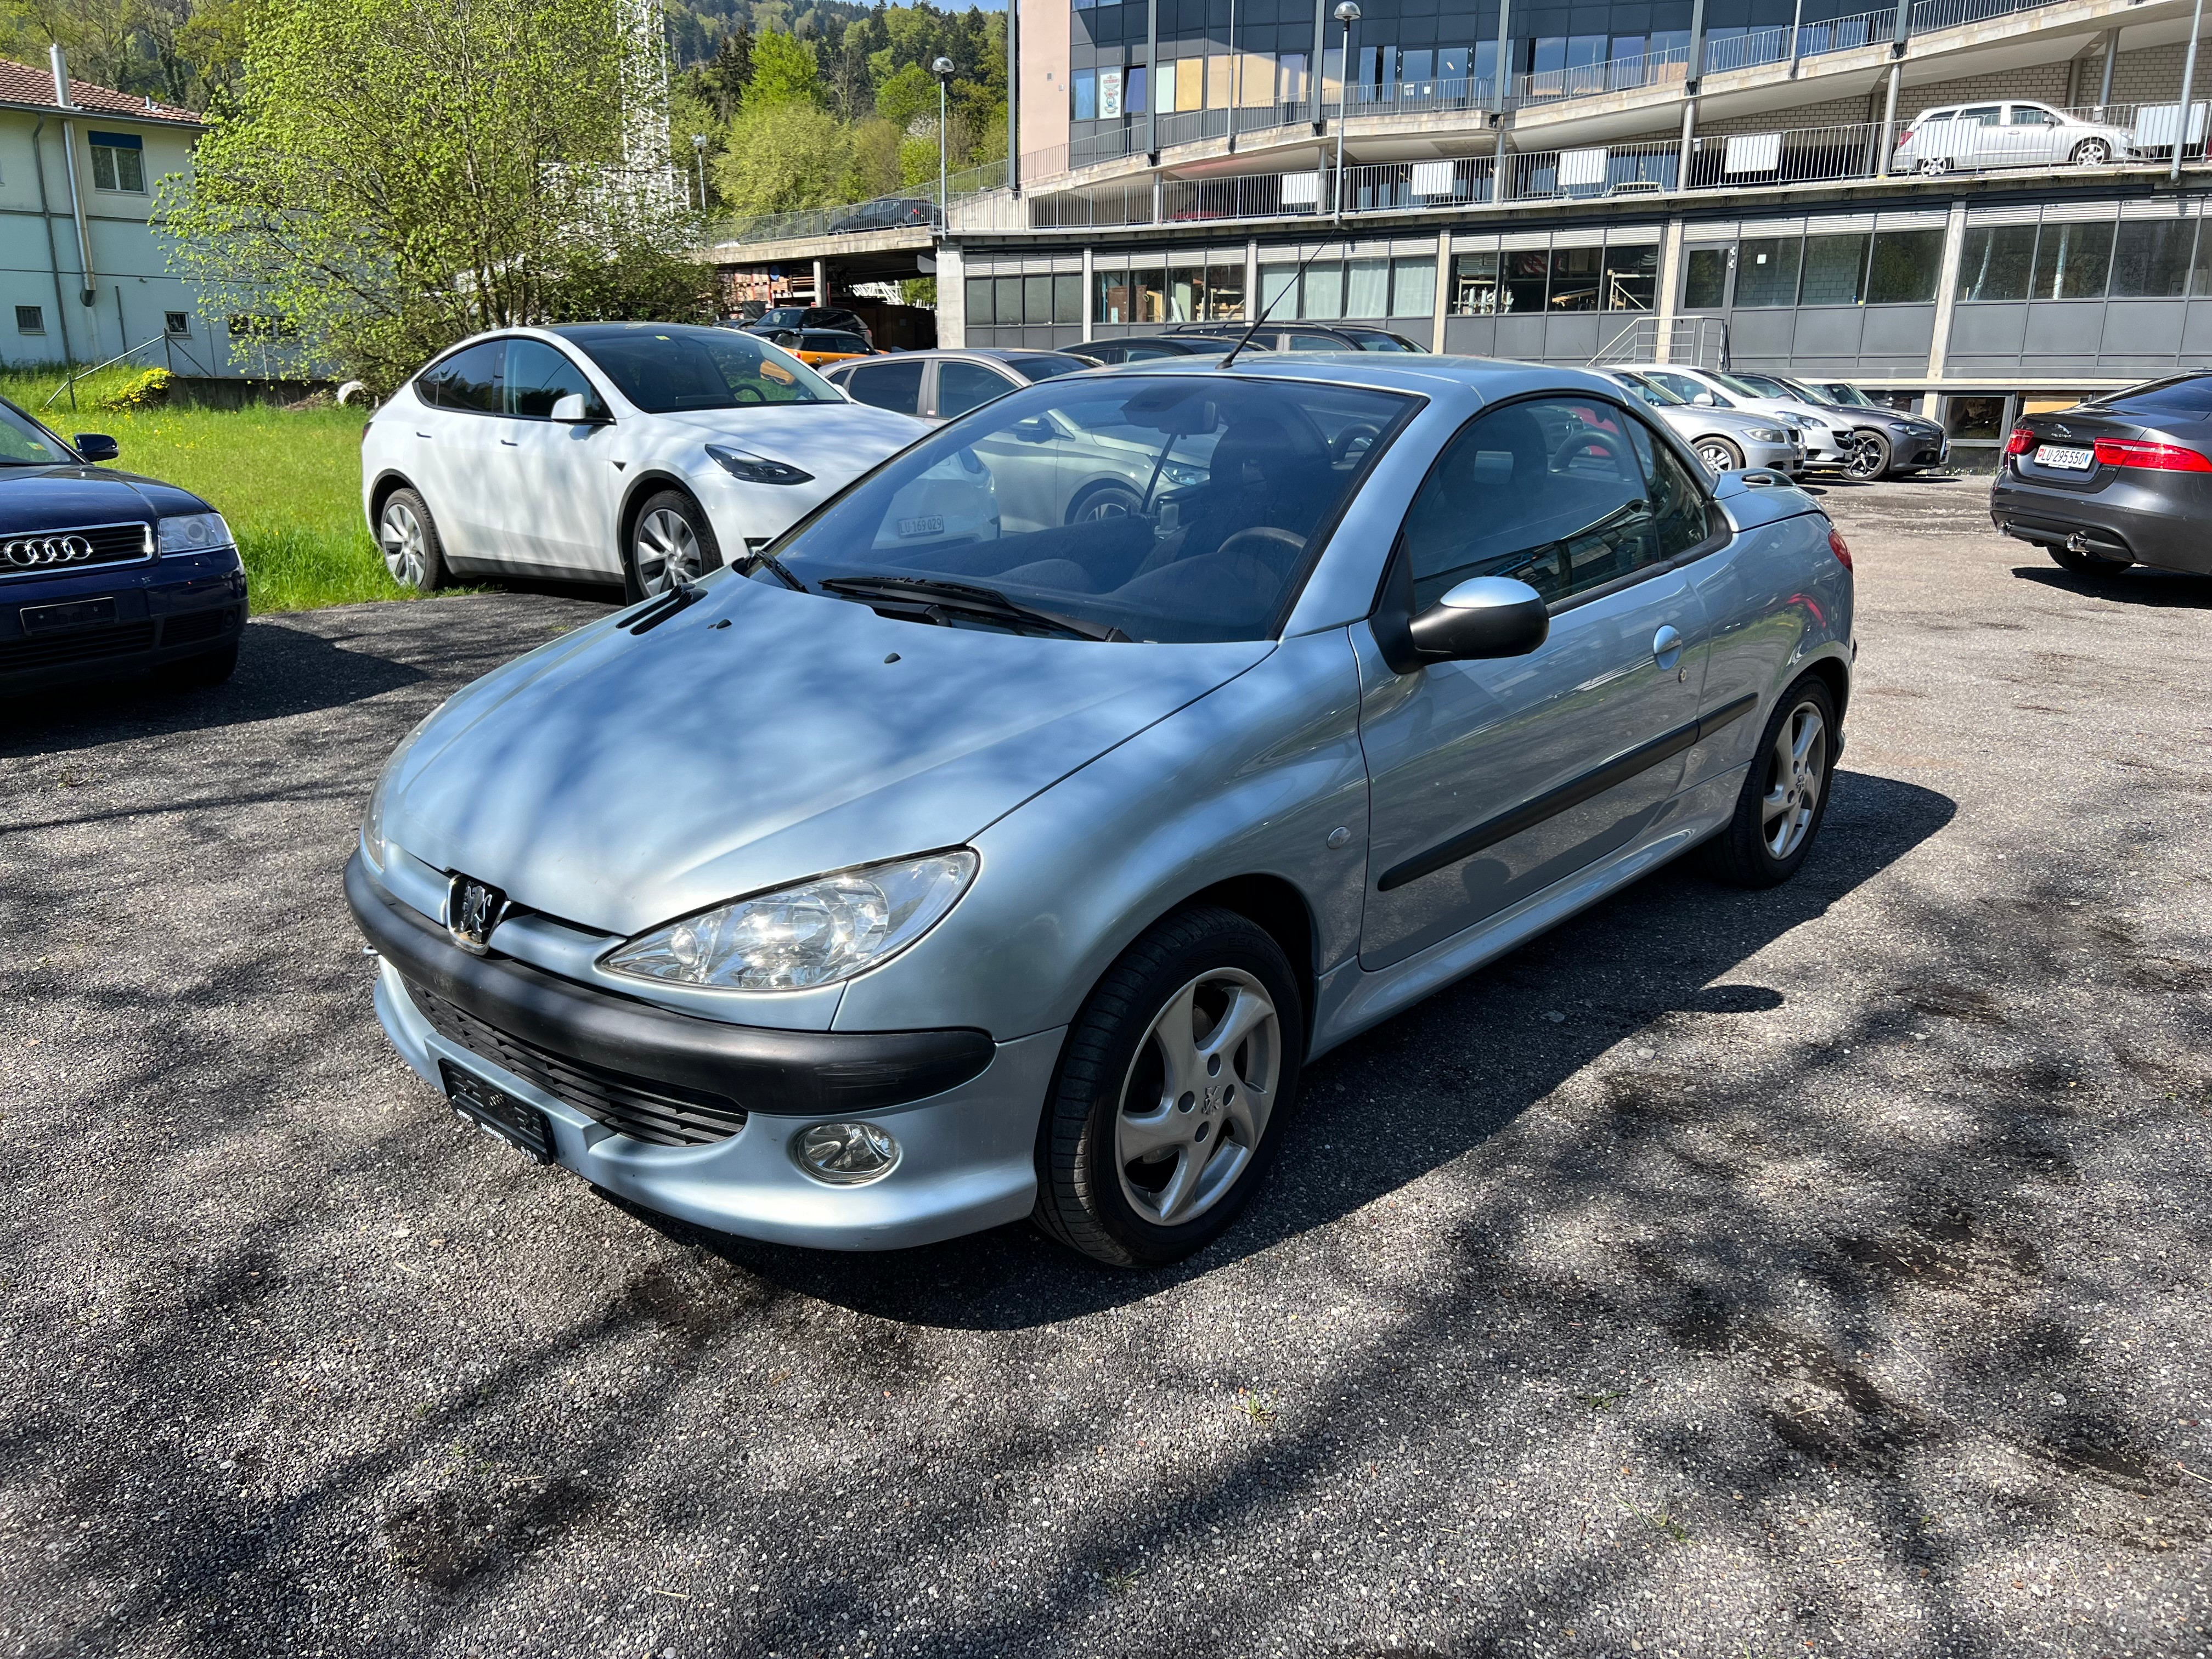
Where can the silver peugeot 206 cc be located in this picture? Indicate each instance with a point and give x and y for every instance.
(1002, 840)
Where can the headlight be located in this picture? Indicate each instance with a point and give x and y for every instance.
(1183, 476)
(757, 469)
(194, 533)
(1767, 435)
(815, 933)
(372, 821)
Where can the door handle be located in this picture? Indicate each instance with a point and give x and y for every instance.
(1667, 646)
(422, 434)
(509, 443)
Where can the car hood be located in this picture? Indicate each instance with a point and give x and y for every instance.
(33, 498)
(616, 780)
(843, 437)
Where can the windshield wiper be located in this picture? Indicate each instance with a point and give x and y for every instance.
(928, 595)
(759, 558)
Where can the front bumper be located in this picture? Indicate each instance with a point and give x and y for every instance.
(962, 1108)
(1786, 459)
(151, 614)
(2162, 525)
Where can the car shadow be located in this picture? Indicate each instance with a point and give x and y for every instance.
(2173, 590)
(1412, 1095)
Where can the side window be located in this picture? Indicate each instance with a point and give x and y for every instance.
(1679, 513)
(468, 379)
(962, 386)
(1684, 388)
(2032, 115)
(895, 386)
(537, 377)
(1550, 491)
(1982, 115)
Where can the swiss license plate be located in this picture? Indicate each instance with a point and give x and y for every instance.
(492, 1109)
(2070, 457)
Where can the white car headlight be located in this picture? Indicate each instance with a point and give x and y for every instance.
(1767, 435)
(756, 469)
(372, 844)
(194, 533)
(1803, 423)
(817, 933)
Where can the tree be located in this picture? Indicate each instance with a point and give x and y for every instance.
(785, 72)
(781, 157)
(399, 173)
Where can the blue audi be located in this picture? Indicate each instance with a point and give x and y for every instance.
(104, 573)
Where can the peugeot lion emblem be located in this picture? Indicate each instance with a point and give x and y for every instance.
(473, 908)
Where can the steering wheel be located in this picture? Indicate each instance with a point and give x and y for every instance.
(758, 396)
(1265, 532)
(1588, 437)
(1350, 441)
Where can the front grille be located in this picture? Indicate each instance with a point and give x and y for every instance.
(195, 625)
(659, 1113)
(112, 543)
(78, 645)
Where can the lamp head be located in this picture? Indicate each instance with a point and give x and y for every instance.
(942, 67)
(1347, 11)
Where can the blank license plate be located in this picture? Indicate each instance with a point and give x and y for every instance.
(490, 1107)
(2073, 459)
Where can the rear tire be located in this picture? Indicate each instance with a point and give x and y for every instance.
(414, 554)
(669, 541)
(1784, 798)
(1159, 1127)
(2088, 564)
(2092, 153)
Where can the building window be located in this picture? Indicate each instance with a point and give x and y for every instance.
(1133, 90)
(980, 312)
(1082, 87)
(2150, 259)
(1632, 278)
(1976, 418)
(1835, 269)
(1190, 84)
(1526, 270)
(1766, 272)
(1904, 266)
(177, 323)
(1575, 278)
(1704, 284)
(1474, 285)
(1413, 288)
(1997, 261)
(2071, 262)
(1367, 288)
(1290, 86)
(30, 320)
(118, 161)
(1109, 94)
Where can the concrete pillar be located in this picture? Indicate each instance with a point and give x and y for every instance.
(952, 296)
(821, 282)
(1946, 289)
(1889, 116)
(1689, 143)
(1670, 286)
(1252, 277)
(1444, 289)
(1089, 286)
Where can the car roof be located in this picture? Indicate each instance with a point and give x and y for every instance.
(1424, 373)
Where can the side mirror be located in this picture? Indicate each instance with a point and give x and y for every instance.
(95, 447)
(573, 410)
(1706, 399)
(1484, 617)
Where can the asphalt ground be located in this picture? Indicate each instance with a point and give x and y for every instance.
(1820, 1271)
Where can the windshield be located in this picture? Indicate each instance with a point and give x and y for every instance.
(24, 443)
(785, 316)
(1741, 388)
(1850, 396)
(1043, 369)
(1652, 392)
(1182, 508)
(1376, 339)
(664, 366)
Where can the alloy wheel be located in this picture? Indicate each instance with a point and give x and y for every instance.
(399, 532)
(1865, 460)
(1717, 459)
(1197, 1097)
(1798, 765)
(667, 551)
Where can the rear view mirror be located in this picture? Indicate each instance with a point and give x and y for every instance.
(96, 447)
(1483, 617)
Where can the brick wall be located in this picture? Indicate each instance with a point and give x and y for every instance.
(2152, 76)
(1835, 112)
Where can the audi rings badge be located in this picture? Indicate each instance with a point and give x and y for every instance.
(31, 552)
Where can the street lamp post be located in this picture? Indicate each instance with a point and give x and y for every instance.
(1347, 13)
(942, 69)
(699, 154)
(2188, 87)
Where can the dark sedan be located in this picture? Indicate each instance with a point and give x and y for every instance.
(104, 573)
(1144, 348)
(2119, 480)
(1891, 443)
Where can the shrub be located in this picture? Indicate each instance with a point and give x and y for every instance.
(144, 390)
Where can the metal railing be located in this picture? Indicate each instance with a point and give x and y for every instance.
(1698, 342)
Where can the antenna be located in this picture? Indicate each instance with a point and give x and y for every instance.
(1268, 310)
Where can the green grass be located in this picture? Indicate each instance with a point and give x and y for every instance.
(288, 483)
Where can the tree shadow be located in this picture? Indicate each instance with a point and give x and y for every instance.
(1411, 1095)
(2165, 590)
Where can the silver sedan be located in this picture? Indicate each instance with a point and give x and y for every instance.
(1725, 440)
(942, 866)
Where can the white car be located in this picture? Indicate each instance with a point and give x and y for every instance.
(1826, 444)
(1966, 136)
(646, 453)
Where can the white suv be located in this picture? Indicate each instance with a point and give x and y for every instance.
(642, 452)
(1826, 444)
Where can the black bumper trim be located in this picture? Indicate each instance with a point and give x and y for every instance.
(780, 1073)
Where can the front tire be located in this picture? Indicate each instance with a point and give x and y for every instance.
(414, 554)
(1785, 793)
(1869, 461)
(1167, 1107)
(1719, 455)
(670, 542)
(2093, 153)
(2086, 564)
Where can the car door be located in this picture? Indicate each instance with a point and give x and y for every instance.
(558, 485)
(454, 440)
(1979, 138)
(1490, 782)
(963, 384)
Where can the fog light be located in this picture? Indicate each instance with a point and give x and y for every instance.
(845, 1154)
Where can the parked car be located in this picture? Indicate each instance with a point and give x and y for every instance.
(1891, 444)
(104, 573)
(888, 213)
(1965, 137)
(1827, 444)
(2118, 480)
(816, 347)
(939, 385)
(641, 453)
(837, 317)
(1068, 845)
(1144, 348)
(1725, 440)
(1308, 336)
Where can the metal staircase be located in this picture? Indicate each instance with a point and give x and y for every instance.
(1695, 342)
